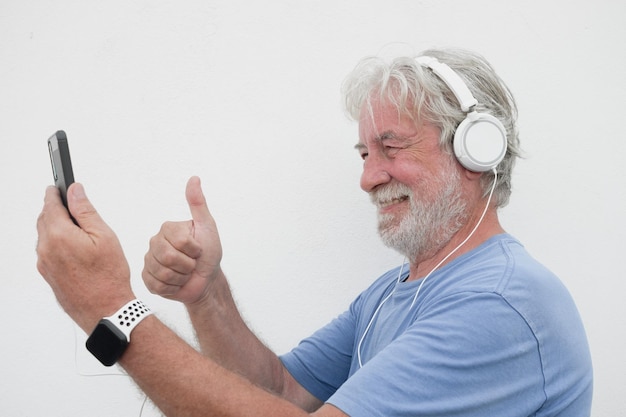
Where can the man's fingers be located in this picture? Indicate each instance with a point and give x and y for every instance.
(83, 211)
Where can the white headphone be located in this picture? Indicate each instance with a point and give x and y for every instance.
(480, 140)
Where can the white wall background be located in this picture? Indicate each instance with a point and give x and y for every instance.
(245, 94)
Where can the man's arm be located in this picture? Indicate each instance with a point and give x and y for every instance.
(181, 382)
(83, 263)
(225, 338)
(183, 264)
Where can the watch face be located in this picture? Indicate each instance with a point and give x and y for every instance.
(107, 343)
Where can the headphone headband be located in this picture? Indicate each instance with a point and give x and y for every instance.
(463, 95)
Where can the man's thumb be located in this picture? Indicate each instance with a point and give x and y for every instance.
(197, 203)
(81, 208)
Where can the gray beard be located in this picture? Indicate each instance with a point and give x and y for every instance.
(430, 224)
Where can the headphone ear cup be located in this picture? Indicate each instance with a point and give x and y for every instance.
(480, 142)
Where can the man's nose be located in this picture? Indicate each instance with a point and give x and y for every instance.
(375, 172)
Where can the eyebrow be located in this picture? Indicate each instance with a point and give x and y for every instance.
(387, 135)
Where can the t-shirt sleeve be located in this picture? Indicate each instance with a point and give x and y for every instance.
(321, 363)
(471, 354)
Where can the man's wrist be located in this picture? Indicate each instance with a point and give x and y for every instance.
(212, 293)
(111, 336)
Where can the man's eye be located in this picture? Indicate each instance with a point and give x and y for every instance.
(391, 150)
(364, 155)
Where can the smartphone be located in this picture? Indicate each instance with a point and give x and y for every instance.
(61, 163)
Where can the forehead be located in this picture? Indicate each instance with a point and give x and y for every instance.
(382, 116)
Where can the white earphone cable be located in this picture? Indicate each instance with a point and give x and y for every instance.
(480, 220)
(419, 288)
(358, 348)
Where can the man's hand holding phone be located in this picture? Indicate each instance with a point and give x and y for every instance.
(85, 266)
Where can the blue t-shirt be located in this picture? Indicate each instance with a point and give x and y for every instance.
(492, 333)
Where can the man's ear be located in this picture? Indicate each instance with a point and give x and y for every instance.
(472, 175)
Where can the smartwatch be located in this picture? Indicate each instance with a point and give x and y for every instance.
(111, 337)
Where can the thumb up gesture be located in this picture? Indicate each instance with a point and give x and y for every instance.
(184, 257)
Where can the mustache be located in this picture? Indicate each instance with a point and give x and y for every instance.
(387, 193)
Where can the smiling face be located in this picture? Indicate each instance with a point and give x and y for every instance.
(415, 185)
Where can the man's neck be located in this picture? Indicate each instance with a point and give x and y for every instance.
(489, 227)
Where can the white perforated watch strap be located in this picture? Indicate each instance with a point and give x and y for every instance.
(129, 316)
